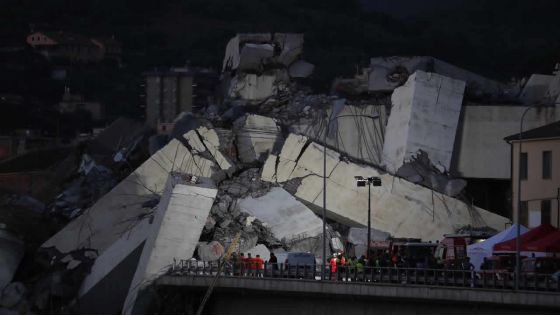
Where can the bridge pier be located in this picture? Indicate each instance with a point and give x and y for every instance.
(293, 297)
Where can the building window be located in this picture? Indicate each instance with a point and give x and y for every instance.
(547, 164)
(523, 166)
(524, 213)
(545, 212)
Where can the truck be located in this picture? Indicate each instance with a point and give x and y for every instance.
(451, 252)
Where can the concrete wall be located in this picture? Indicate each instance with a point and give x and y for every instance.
(424, 116)
(279, 296)
(251, 302)
(359, 137)
(535, 189)
(480, 149)
(112, 288)
(174, 234)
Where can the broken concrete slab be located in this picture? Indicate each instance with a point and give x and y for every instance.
(419, 170)
(232, 55)
(387, 73)
(112, 215)
(285, 168)
(268, 173)
(286, 217)
(194, 141)
(293, 147)
(536, 88)
(336, 245)
(352, 133)
(250, 51)
(301, 69)
(256, 137)
(252, 87)
(254, 56)
(553, 92)
(174, 234)
(220, 144)
(291, 47)
(358, 236)
(130, 241)
(313, 156)
(211, 251)
(424, 116)
(199, 144)
(399, 207)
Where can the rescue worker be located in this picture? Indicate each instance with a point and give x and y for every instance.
(274, 262)
(240, 265)
(259, 263)
(333, 262)
(250, 264)
(341, 265)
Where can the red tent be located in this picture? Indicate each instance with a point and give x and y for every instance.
(532, 235)
(548, 244)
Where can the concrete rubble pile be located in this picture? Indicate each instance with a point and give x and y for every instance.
(289, 220)
(400, 207)
(419, 170)
(385, 74)
(261, 65)
(255, 167)
(94, 181)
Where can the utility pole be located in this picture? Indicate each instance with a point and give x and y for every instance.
(558, 208)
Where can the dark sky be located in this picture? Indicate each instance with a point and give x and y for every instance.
(406, 8)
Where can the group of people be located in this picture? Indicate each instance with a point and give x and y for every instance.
(338, 262)
(378, 260)
(248, 264)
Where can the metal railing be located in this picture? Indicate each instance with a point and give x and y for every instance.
(373, 275)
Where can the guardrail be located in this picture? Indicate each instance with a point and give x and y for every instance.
(372, 275)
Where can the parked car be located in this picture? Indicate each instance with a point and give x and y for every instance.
(295, 264)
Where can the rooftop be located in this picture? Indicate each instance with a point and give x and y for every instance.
(545, 132)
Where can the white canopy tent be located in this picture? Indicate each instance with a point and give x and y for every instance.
(477, 252)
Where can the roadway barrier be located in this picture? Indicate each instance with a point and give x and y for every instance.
(373, 275)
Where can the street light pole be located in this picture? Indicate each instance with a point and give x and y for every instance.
(368, 219)
(518, 229)
(324, 214)
(361, 181)
(324, 210)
